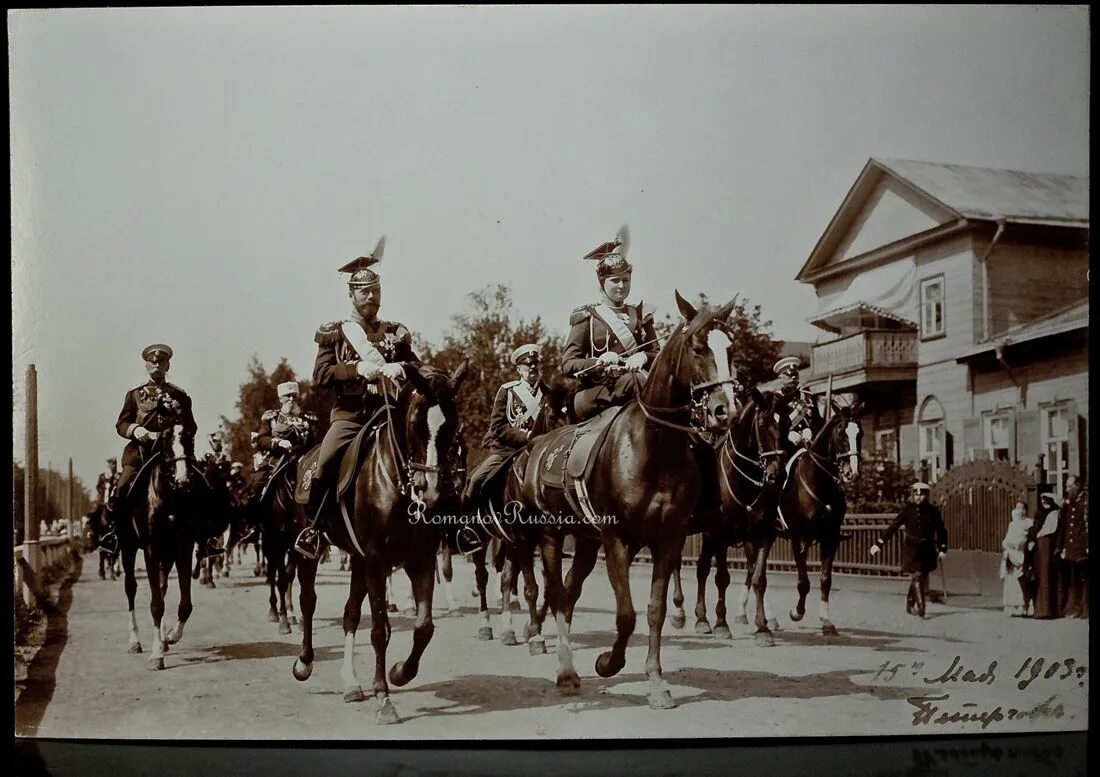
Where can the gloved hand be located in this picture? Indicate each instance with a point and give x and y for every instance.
(636, 361)
(942, 554)
(607, 358)
(286, 445)
(874, 550)
(393, 371)
(366, 370)
(142, 434)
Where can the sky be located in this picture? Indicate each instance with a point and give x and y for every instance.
(196, 176)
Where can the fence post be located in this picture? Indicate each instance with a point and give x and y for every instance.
(30, 482)
(69, 505)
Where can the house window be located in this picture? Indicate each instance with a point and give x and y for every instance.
(1055, 441)
(932, 307)
(997, 430)
(886, 444)
(932, 445)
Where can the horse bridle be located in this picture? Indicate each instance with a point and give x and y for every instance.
(694, 407)
(823, 463)
(405, 469)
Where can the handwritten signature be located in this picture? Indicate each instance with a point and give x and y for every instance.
(929, 711)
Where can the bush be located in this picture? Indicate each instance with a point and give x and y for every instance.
(882, 487)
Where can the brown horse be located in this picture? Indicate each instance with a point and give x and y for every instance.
(642, 491)
(166, 500)
(813, 503)
(403, 476)
(281, 520)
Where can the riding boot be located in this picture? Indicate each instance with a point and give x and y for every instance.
(308, 542)
(919, 586)
(910, 599)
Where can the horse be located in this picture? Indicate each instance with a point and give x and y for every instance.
(405, 473)
(813, 505)
(512, 549)
(643, 488)
(281, 520)
(97, 525)
(167, 499)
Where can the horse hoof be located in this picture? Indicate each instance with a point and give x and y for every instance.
(284, 626)
(399, 676)
(135, 647)
(661, 700)
(679, 620)
(764, 639)
(797, 616)
(773, 624)
(156, 664)
(485, 633)
(387, 715)
(740, 619)
(508, 638)
(225, 573)
(256, 571)
(409, 612)
(608, 666)
(702, 627)
(354, 695)
(829, 630)
(537, 647)
(172, 637)
(569, 683)
(722, 632)
(272, 616)
(293, 620)
(515, 606)
(301, 671)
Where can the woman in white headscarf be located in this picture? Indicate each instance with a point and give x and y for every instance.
(1012, 561)
(1046, 535)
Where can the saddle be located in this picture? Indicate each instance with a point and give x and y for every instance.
(350, 460)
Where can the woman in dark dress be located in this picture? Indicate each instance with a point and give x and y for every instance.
(1046, 528)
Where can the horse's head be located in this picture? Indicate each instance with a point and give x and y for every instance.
(758, 429)
(842, 438)
(459, 452)
(430, 425)
(712, 381)
(173, 446)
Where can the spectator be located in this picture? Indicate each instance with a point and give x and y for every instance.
(1045, 538)
(1074, 550)
(1015, 598)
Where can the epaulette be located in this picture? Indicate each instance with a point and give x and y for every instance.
(328, 334)
(174, 387)
(510, 384)
(269, 416)
(312, 417)
(400, 330)
(646, 318)
(580, 314)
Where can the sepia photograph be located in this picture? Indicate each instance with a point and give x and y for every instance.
(730, 380)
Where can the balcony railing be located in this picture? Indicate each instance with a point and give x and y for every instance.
(868, 349)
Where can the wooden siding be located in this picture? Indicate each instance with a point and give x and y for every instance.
(892, 212)
(1027, 282)
(954, 259)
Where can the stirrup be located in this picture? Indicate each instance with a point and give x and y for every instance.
(108, 539)
(474, 545)
(308, 543)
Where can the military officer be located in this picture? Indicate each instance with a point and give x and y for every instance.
(106, 483)
(147, 410)
(925, 544)
(609, 340)
(284, 431)
(799, 401)
(353, 358)
(517, 406)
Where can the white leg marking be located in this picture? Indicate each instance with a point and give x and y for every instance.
(347, 671)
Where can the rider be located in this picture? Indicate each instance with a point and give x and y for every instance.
(236, 482)
(354, 357)
(609, 341)
(517, 406)
(105, 485)
(147, 410)
(799, 402)
(286, 431)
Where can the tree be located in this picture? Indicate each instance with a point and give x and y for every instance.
(486, 334)
(259, 394)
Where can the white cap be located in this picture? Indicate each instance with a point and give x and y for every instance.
(287, 389)
(785, 362)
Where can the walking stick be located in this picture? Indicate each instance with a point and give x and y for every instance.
(943, 581)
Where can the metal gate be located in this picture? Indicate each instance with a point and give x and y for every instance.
(976, 500)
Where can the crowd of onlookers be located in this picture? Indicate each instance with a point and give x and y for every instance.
(1044, 561)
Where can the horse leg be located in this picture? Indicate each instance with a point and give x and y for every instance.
(372, 576)
(746, 587)
(702, 572)
(584, 560)
(617, 557)
(679, 617)
(156, 607)
(353, 610)
(507, 632)
(447, 568)
(722, 581)
(183, 613)
(799, 550)
(828, 553)
(481, 579)
(568, 681)
(664, 561)
(130, 585)
(764, 636)
(291, 573)
(536, 645)
(422, 581)
(307, 603)
(272, 573)
(284, 583)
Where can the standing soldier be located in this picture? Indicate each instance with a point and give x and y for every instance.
(286, 431)
(799, 401)
(353, 358)
(1074, 549)
(518, 404)
(609, 340)
(146, 411)
(925, 544)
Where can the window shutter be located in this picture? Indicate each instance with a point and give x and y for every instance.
(1013, 445)
(1028, 441)
(909, 450)
(972, 437)
(1075, 438)
(948, 449)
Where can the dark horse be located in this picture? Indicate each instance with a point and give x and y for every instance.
(98, 525)
(643, 489)
(509, 544)
(813, 504)
(281, 520)
(403, 476)
(168, 498)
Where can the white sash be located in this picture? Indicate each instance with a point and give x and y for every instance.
(616, 325)
(362, 345)
(532, 402)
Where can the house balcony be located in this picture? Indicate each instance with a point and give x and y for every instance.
(869, 356)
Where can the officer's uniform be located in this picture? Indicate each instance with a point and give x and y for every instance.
(601, 327)
(276, 425)
(799, 405)
(155, 407)
(516, 409)
(925, 539)
(105, 487)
